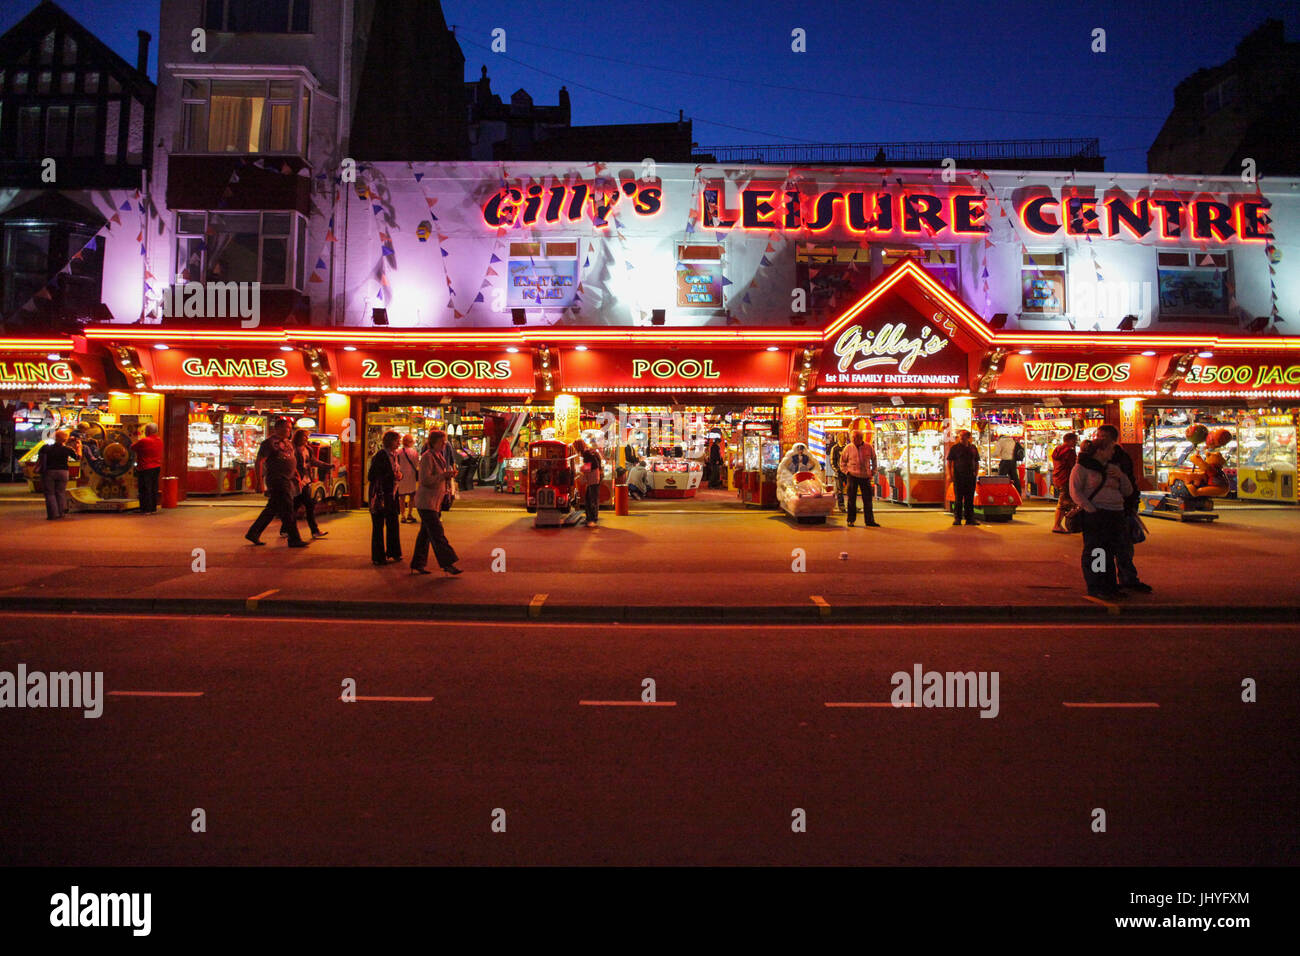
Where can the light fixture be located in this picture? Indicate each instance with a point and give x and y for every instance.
(1205, 354)
(1025, 352)
(512, 350)
(656, 316)
(286, 348)
(580, 348)
(161, 346)
(518, 317)
(1149, 352)
(349, 348)
(54, 356)
(772, 348)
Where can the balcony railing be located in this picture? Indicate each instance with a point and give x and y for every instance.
(983, 152)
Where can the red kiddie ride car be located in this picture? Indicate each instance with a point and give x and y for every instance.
(550, 492)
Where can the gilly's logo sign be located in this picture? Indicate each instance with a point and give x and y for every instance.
(890, 345)
(570, 202)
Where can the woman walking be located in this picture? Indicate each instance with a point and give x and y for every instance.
(306, 462)
(409, 459)
(434, 486)
(383, 476)
(1099, 488)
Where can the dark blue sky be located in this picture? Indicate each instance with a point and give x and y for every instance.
(1002, 69)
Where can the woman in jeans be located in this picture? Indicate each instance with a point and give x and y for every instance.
(1099, 488)
(435, 481)
(54, 474)
(305, 460)
(385, 533)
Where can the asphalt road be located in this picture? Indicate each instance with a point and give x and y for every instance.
(287, 773)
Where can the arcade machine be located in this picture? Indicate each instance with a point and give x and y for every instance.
(1267, 463)
(551, 493)
(330, 483)
(110, 484)
(799, 489)
(996, 498)
(1193, 486)
(761, 454)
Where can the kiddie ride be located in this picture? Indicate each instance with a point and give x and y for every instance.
(551, 494)
(111, 484)
(330, 481)
(996, 498)
(799, 491)
(1194, 483)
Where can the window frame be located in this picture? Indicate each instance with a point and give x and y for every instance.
(299, 100)
(1190, 256)
(296, 239)
(1030, 267)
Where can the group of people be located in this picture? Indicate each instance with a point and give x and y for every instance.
(54, 465)
(287, 462)
(424, 483)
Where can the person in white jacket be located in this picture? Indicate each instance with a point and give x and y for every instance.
(436, 471)
(858, 462)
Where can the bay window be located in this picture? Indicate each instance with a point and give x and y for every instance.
(265, 247)
(244, 116)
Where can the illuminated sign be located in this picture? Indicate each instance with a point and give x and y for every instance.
(955, 214)
(542, 282)
(1063, 371)
(699, 285)
(716, 369)
(891, 351)
(598, 202)
(228, 370)
(1255, 374)
(416, 369)
(29, 372)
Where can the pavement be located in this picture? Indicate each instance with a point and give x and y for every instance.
(657, 564)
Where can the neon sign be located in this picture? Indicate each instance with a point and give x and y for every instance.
(884, 347)
(27, 373)
(600, 201)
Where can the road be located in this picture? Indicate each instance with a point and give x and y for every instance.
(288, 773)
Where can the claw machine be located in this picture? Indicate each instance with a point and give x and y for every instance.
(909, 459)
(1042, 436)
(1266, 458)
(760, 455)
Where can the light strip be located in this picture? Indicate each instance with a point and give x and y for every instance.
(676, 388)
(234, 388)
(429, 390)
(1261, 394)
(44, 387)
(37, 345)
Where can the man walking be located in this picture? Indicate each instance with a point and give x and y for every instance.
(963, 467)
(1107, 438)
(280, 473)
(858, 462)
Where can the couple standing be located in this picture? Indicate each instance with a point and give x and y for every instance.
(433, 495)
(1103, 485)
(287, 466)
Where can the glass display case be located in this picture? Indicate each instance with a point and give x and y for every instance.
(674, 477)
(1166, 445)
(1266, 469)
(1042, 436)
(221, 451)
(909, 460)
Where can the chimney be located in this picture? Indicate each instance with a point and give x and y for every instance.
(142, 51)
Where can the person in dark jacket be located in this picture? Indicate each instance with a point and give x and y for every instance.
(384, 513)
(1108, 437)
(963, 469)
(589, 478)
(52, 463)
(280, 471)
(715, 463)
(1099, 486)
(1064, 457)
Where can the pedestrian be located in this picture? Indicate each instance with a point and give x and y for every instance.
(1005, 450)
(833, 457)
(148, 451)
(306, 462)
(433, 489)
(1099, 487)
(589, 477)
(1108, 435)
(638, 480)
(1064, 457)
(408, 459)
(858, 460)
(80, 439)
(384, 515)
(280, 475)
(503, 455)
(52, 463)
(963, 469)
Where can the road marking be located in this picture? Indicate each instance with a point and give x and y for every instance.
(823, 608)
(415, 699)
(627, 703)
(251, 603)
(1125, 704)
(535, 605)
(155, 693)
(1112, 609)
(865, 703)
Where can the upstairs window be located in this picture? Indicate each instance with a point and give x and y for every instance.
(1042, 283)
(267, 247)
(244, 116)
(257, 16)
(1193, 283)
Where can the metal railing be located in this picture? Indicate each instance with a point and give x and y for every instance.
(981, 151)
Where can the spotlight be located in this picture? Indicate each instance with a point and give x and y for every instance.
(772, 348)
(1205, 354)
(349, 348)
(517, 316)
(379, 316)
(1149, 352)
(999, 321)
(656, 316)
(286, 348)
(161, 347)
(1025, 352)
(1127, 323)
(580, 348)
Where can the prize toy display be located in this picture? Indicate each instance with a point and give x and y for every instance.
(799, 489)
(1195, 484)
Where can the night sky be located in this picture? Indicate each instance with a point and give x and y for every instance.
(873, 72)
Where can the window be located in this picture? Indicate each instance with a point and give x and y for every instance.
(257, 16)
(939, 262)
(33, 252)
(56, 130)
(83, 131)
(43, 131)
(1042, 283)
(1221, 95)
(542, 274)
(29, 133)
(699, 276)
(244, 116)
(1193, 283)
(266, 247)
(835, 276)
(91, 82)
